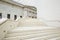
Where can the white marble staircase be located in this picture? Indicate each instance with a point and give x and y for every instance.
(33, 33)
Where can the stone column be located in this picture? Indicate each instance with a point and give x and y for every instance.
(25, 12)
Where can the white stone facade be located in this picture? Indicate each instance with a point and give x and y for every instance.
(32, 13)
(10, 9)
(15, 10)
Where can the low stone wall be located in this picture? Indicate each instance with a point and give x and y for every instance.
(6, 26)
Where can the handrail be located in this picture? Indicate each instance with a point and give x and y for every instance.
(3, 22)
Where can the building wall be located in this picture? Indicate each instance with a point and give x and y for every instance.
(6, 8)
(30, 13)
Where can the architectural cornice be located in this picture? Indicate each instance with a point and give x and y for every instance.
(19, 4)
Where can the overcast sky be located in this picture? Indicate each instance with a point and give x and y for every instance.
(47, 9)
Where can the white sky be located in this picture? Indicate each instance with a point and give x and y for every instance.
(47, 9)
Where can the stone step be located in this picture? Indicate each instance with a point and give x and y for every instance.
(48, 37)
(56, 38)
(24, 31)
(28, 33)
(30, 36)
(33, 33)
